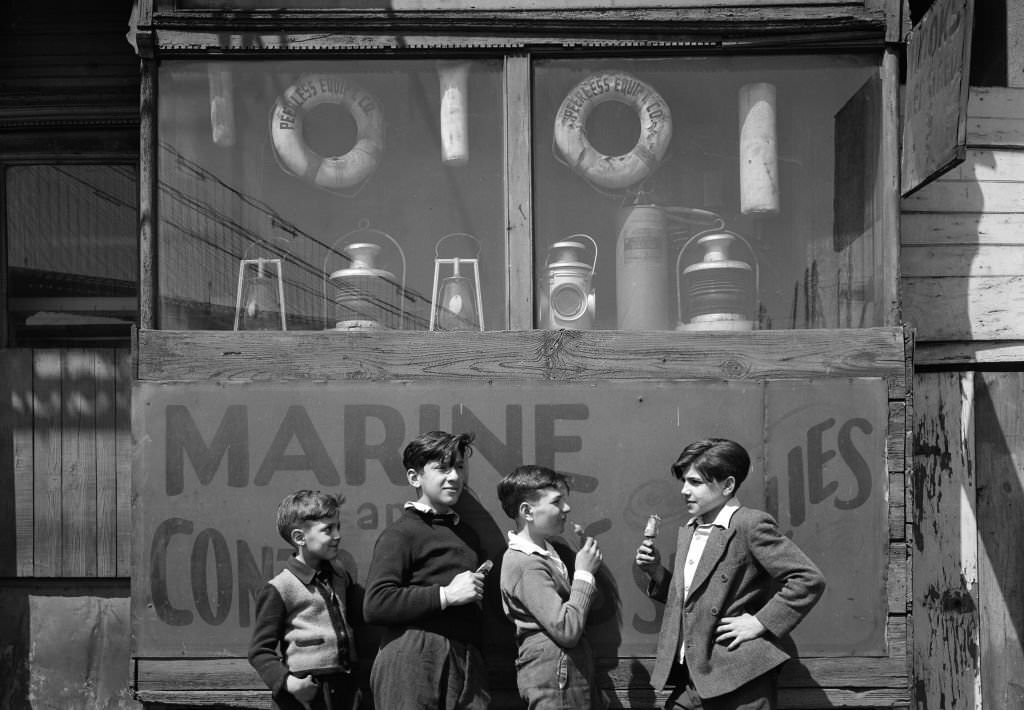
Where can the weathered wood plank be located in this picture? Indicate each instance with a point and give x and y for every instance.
(945, 581)
(123, 460)
(16, 462)
(78, 464)
(896, 438)
(975, 261)
(1015, 45)
(518, 182)
(46, 454)
(967, 228)
(946, 355)
(945, 309)
(898, 573)
(18, 371)
(897, 506)
(993, 117)
(999, 432)
(886, 194)
(106, 464)
(991, 164)
(966, 196)
(558, 356)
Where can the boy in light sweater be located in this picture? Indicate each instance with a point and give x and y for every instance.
(555, 666)
(302, 643)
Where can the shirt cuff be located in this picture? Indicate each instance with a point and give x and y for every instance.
(584, 576)
(444, 599)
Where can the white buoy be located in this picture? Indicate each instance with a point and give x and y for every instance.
(453, 77)
(222, 105)
(759, 160)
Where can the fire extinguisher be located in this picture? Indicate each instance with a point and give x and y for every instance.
(642, 269)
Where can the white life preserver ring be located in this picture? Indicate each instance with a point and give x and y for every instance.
(331, 172)
(613, 171)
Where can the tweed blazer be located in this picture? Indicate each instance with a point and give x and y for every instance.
(749, 567)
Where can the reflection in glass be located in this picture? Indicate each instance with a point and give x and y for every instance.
(296, 174)
(785, 150)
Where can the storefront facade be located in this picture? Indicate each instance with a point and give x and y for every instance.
(588, 234)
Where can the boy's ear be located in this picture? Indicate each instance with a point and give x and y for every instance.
(729, 486)
(526, 510)
(413, 476)
(298, 537)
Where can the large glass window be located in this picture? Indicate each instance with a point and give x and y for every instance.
(362, 194)
(72, 254)
(726, 193)
(686, 193)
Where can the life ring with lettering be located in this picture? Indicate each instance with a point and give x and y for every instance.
(338, 172)
(613, 172)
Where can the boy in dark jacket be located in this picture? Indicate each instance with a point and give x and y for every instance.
(302, 645)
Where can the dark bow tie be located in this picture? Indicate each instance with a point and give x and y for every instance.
(442, 518)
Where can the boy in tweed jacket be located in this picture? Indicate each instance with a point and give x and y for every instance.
(739, 587)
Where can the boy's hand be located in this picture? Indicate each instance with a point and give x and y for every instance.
(589, 557)
(648, 558)
(735, 630)
(302, 689)
(467, 587)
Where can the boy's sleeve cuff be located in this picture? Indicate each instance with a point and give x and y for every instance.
(584, 576)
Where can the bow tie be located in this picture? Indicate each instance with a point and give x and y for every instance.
(442, 518)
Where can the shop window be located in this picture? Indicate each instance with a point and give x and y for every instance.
(666, 193)
(348, 192)
(72, 254)
(725, 193)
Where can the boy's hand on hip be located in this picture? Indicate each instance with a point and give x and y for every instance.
(735, 630)
(467, 587)
(302, 689)
(588, 558)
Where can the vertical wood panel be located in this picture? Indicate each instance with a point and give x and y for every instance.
(106, 463)
(46, 443)
(1000, 444)
(945, 574)
(123, 441)
(519, 215)
(78, 457)
(16, 465)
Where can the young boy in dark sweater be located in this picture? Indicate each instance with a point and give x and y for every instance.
(425, 589)
(302, 643)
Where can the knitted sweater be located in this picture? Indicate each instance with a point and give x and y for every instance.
(297, 630)
(537, 598)
(413, 558)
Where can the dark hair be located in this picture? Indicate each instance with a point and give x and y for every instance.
(437, 446)
(714, 460)
(303, 506)
(524, 484)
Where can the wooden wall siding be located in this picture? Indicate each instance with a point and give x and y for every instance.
(961, 258)
(67, 462)
(968, 581)
(564, 356)
(946, 638)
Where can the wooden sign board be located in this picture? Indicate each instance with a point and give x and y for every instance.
(213, 461)
(938, 78)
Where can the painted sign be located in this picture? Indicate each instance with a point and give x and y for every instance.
(938, 77)
(213, 462)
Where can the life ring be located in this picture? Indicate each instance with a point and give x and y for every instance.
(332, 172)
(613, 171)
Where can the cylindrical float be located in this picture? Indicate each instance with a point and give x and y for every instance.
(720, 292)
(222, 105)
(641, 270)
(759, 161)
(453, 77)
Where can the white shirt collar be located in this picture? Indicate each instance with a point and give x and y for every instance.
(724, 515)
(424, 508)
(520, 544)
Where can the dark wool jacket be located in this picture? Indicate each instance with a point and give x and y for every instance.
(297, 631)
